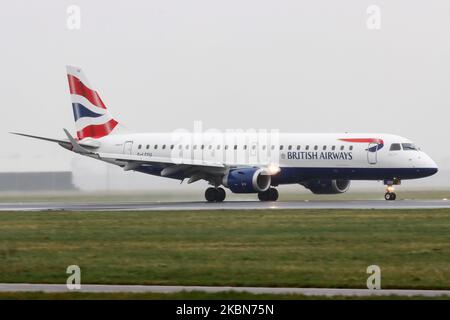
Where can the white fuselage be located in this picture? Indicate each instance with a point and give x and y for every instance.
(325, 155)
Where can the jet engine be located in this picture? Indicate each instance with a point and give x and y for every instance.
(247, 180)
(327, 186)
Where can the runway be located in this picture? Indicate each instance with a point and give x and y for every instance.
(227, 205)
(55, 288)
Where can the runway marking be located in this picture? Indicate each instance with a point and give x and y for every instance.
(228, 205)
(55, 288)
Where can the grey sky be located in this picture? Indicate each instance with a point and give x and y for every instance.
(306, 66)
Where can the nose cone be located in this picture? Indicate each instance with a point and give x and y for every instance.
(430, 166)
(431, 171)
(434, 169)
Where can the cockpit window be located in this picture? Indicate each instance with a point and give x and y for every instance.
(395, 147)
(409, 146)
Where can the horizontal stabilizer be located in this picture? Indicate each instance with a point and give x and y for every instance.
(64, 143)
(40, 138)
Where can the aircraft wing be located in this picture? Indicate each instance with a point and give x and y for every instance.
(158, 160)
(172, 168)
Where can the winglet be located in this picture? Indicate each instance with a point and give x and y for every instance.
(75, 145)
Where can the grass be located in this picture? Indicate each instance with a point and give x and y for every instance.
(294, 248)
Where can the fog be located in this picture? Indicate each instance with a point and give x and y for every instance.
(296, 66)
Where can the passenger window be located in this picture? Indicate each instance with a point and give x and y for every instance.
(298, 147)
(324, 148)
(226, 147)
(245, 147)
(395, 147)
(187, 147)
(254, 147)
(289, 147)
(194, 147)
(218, 147)
(164, 146)
(156, 146)
(351, 148)
(281, 147)
(235, 147)
(272, 147)
(316, 147)
(307, 148)
(342, 148)
(148, 146)
(179, 147)
(202, 147)
(171, 146)
(333, 148)
(140, 146)
(210, 147)
(264, 147)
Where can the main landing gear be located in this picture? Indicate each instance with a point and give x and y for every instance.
(270, 194)
(215, 194)
(218, 195)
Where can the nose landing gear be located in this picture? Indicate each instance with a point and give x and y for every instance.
(390, 194)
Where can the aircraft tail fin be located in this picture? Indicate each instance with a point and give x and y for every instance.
(92, 118)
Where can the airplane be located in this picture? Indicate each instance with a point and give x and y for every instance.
(243, 162)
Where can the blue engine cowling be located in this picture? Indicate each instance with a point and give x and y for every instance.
(247, 180)
(327, 186)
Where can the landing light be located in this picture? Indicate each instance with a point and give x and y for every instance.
(390, 189)
(273, 169)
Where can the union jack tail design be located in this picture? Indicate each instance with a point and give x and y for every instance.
(92, 119)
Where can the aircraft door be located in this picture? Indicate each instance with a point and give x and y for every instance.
(128, 147)
(372, 152)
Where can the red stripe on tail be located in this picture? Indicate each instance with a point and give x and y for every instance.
(97, 131)
(77, 87)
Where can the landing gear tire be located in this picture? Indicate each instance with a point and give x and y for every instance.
(215, 194)
(270, 194)
(390, 196)
(273, 194)
(220, 195)
(211, 194)
(263, 196)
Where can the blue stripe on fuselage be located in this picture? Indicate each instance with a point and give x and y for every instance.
(294, 175)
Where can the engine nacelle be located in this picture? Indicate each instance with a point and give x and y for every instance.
(247, 180)
(327, 186)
